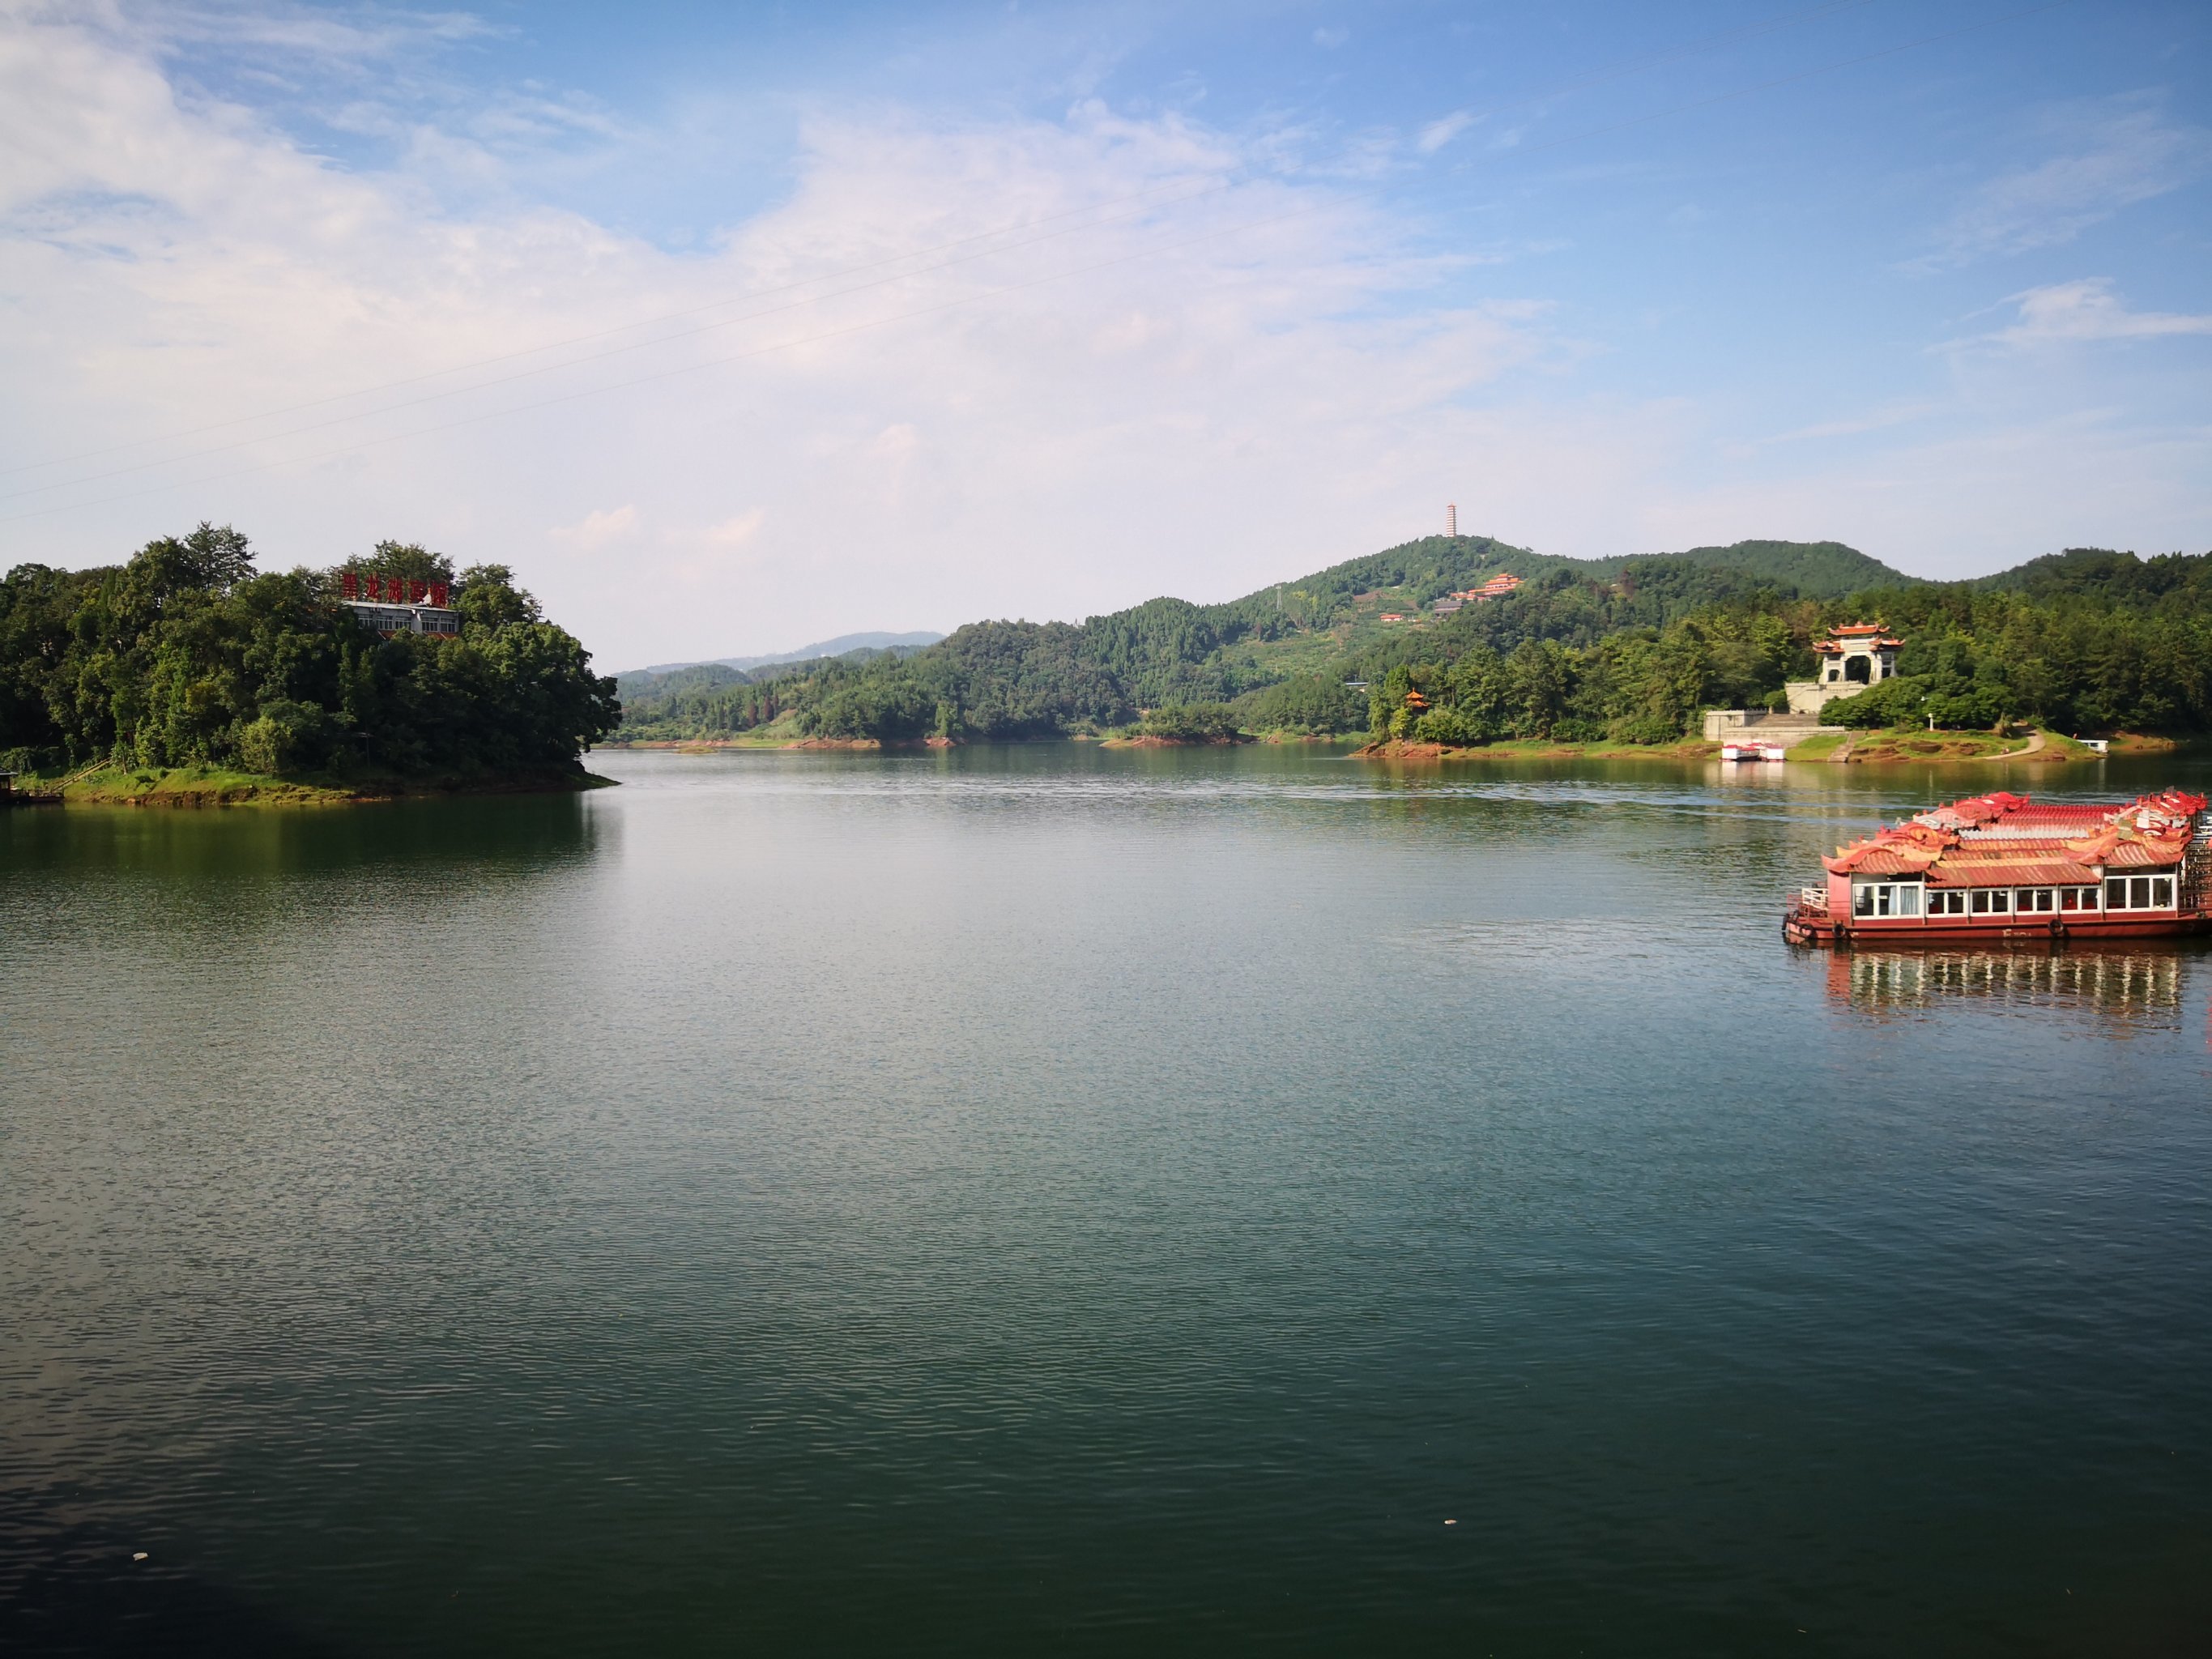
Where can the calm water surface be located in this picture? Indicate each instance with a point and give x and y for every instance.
(1048, 1198)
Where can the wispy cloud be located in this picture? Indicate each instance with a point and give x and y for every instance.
(333, 34)
(736, 531)
(1216, 358)
(1435, 136)
(2084, 310)
(2110, 155)
(1268, 335)
(600, 529)
(1853, 426)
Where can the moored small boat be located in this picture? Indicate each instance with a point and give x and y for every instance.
(2001, 868)
(1748, 751)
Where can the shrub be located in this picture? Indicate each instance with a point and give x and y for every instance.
(1191, 722)
(286, 737)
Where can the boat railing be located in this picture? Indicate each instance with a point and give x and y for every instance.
(1814, 899)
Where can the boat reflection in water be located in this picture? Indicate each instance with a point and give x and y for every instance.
(2137, 988)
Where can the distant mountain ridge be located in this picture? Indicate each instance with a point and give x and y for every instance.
(1627, 648)
(1009, 679)
(1437, 565)
(836, 647)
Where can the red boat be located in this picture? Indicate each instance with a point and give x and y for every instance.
(2001, 869)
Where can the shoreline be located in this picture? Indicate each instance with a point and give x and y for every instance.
(198, 787)
(1149, 740)
(1873, 748)
(713, 745)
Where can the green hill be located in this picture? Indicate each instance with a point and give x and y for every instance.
(1421, 572)
(2101, 576)
(1627, 648)
(1814, 570)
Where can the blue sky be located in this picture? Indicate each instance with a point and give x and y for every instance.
(1055, 307)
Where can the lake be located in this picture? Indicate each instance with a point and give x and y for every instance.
(1053, 1199)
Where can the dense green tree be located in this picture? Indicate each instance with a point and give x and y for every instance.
(1630, 650)
(185, 655)
(1321, 704)
(1192, 722)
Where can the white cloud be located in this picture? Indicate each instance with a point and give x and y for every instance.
(737, 530)
(1853, 426)
(1329, 39)
(595, 531)
(1185, 373)
(1435, 136)
(2087, 310)
(2112, 155)
(1120, 390)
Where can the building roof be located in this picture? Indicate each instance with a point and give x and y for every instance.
(1857, 637)
(2004, 840)
(1497, 587)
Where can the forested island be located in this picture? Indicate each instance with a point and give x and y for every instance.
(186, 673)
(1623, 651)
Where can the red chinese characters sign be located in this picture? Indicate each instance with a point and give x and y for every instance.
(393, 590)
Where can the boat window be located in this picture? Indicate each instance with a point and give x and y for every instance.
(2138, 892)
(2033, 898)
(1981, 902)
(1885, 898)
(1952, 904)
(2001, 899)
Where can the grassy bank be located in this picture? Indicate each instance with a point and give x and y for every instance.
(1820, 747)
(1540, 749)
(215, 785)
(1915, 746)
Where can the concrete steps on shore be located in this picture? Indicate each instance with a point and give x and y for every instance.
(1725, 725)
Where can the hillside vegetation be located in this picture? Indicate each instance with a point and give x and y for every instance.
(1625, 650)
(188, 657)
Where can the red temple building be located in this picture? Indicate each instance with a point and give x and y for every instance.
(1496, 588)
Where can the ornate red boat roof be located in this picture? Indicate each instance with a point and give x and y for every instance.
(2004, 840)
